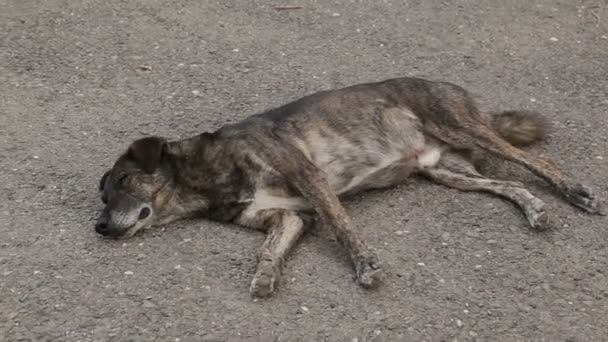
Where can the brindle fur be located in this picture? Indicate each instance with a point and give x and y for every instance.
(267, 171)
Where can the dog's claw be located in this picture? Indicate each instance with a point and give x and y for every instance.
(582, 197)
(264, 282)
(542, 221)
(369, 273)
(537, 215)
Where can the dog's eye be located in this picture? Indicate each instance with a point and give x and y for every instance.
(122, 179)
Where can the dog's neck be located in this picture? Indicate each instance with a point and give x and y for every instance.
(205, 181)
(194, 161)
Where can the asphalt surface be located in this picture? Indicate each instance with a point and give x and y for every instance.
(79, 80)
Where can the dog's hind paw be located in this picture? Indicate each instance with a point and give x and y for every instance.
(537, 215)
(541, 221)
(582, 197)
(369, 273)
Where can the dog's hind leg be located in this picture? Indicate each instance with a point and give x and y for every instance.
(456, 172)
(284, 229)
(576, 193)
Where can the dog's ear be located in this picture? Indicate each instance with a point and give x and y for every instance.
(148, 152)
(104, 178)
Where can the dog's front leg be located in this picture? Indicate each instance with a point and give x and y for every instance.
(284, 228)
(311, 182)
(316, 188)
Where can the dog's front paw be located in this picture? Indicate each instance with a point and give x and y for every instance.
(369, 273)
(265, 280)
(582, 197)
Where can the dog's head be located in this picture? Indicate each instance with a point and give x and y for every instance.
(135, 189)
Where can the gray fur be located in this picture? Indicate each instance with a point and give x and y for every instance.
(270, 171)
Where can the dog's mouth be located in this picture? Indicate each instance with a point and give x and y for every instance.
(114, 225)
(130, 232)
(124, 233)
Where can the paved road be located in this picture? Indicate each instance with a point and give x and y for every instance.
(79, 80)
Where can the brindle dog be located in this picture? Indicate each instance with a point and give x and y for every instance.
(267, 171)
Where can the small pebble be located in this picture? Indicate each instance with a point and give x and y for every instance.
(148, 304)
(128, 272)
(304, 309)
(196, 92)
(420, 264)
(36, 272)
(187, 240)
(472, 234)
(532, 100)
(472, 333)
(604, 37)
(553, 39)
(178, 267)
(459, 323)
(335, 14)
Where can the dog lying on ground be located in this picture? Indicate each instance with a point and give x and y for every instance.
(269, 170)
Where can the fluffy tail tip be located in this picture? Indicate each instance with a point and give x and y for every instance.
(521, 128)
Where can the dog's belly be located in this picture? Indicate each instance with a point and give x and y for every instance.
(376, 149)
(391, 169)
(371, 162)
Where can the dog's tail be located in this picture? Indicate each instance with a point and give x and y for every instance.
(520, 128)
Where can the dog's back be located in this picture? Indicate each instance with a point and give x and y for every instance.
(376, 134)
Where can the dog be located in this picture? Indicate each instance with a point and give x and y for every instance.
(273, 169)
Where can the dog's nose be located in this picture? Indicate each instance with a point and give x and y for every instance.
(101, 227)
(144, 213)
